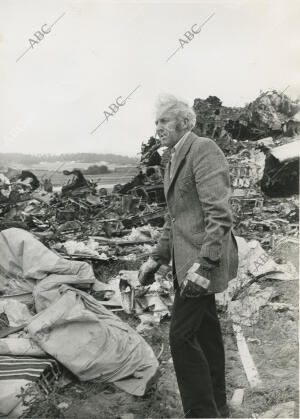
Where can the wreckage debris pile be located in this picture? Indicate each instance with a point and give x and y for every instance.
(272, 113)
(261, 168)
(81, 212)
(84, 224)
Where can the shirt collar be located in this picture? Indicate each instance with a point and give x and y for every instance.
(180, 143)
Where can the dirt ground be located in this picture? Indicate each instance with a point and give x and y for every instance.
(273, 344)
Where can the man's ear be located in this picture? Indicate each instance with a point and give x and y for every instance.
(182, 124)
(185, 122)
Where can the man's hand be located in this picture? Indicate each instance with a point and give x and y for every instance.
(147, 271)
(207, 264)
(194, 284)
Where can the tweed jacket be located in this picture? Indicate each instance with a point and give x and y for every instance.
(199, 221)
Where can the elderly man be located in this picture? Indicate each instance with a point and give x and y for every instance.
(197, 237)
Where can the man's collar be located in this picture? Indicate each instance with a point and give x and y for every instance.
(180, 143)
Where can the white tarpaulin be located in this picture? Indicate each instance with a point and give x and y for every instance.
(90, 341)
(24, 261)
(72, 326)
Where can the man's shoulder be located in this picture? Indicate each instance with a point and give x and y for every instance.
(200, 143)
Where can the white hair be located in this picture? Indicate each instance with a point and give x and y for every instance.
(178, 108)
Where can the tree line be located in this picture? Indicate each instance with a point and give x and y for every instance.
(8, 158)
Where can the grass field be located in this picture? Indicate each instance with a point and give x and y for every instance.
(54, 170)
(59, 179)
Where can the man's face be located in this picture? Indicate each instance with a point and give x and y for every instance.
(169, 129)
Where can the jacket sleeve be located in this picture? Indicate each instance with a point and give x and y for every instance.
(211, 172)
(161, 253)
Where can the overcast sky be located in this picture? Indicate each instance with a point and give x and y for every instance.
(53, 97)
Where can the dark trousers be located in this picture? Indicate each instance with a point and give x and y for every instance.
(198, 356)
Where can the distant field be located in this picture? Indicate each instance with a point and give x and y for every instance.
(118, 174)
(59, 179)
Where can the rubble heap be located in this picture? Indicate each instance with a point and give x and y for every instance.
(281, 173)
(271, 114)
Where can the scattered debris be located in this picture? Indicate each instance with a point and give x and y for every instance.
(237, 398)
(281, 174)
(245, 311)
(57, 243)
(267, 115)
(246, 358)
(282, 410)
(244, 296)
(127, 416)
(63, 405)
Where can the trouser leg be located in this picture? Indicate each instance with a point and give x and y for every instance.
(190, 363)
(209, 336)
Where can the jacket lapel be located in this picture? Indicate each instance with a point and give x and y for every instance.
(179, 159)
(167, 178)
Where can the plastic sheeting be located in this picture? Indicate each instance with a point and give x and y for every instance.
(24, 261)
(72, 326)
(89, 340)
(17, 313)
(20, 346)
(244, 298)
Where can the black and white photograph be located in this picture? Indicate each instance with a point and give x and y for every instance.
(149, 209)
